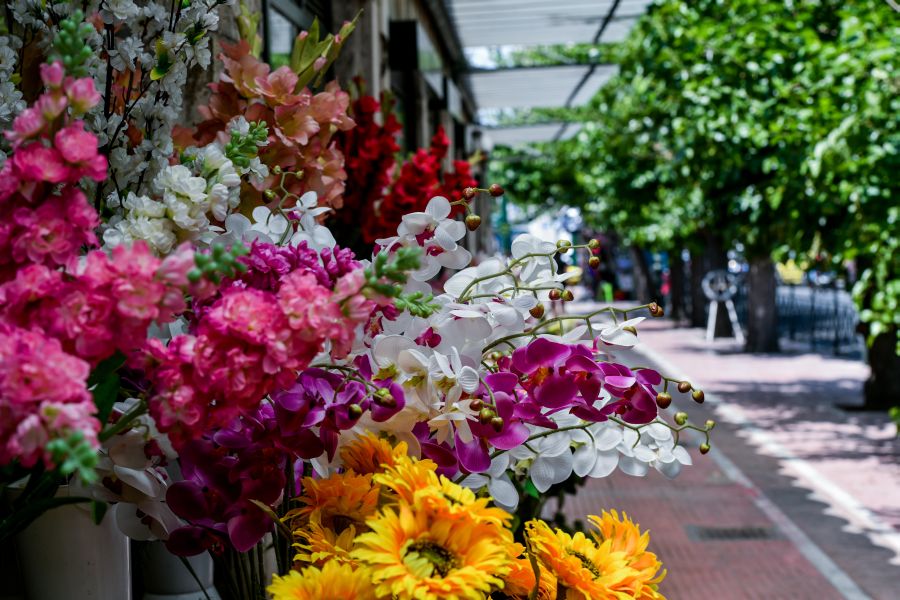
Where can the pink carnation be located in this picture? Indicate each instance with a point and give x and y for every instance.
(42, 395)
(36, 162)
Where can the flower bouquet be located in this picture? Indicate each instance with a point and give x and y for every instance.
(184, 344)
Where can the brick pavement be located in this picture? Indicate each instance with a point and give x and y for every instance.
(822, 482)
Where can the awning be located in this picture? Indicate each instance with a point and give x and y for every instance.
(487, 24)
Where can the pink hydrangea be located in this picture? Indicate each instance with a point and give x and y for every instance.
(43, 396)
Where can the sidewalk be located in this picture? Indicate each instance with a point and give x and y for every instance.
(798, 499)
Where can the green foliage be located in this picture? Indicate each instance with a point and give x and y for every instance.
(767, 123)
(555, 54)
(74, 455)
(389, 272)
(243, 148)
(70, 45)
(218, 264)
(311, 57)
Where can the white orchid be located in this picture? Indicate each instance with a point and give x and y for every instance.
(496, 480)
(308, 229)
(653, 447)
(437, 234)
(619, 334)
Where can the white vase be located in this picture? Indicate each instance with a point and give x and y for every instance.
(167, 578)
(64, 554)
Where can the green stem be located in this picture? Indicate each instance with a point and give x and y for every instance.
(125, 422)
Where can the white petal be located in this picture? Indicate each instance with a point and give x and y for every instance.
(583, 460)
(633, 467)
(605, 465)
(682, 455)
(429, 269)
(468, 379)
(455, 229)
(456, 259)
(443, 239)
(669, 469)
(456, 284)
(546, 471)
(504, 492)
(261, 214)
(309, 200)
(475, 481)
(438, 208)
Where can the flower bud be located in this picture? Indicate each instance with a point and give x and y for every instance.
(681, 418)
(555, 294)
(704, 448)
(485, 415)
(655, 310)
(563, 244)
(537, 311)
(568, 296)
(663, 399)
(469, 193)
(384, 398)
(593, 243)
(710, 424)
(594, 262)
(269, 194)
(472, 222)
(684, 387)
(497, 423)
(354, 411)
(476, 404)
(698, 396)
(630, 329)
(276, 170)
(495, 190)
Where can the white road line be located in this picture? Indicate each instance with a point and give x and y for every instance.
(803, 470)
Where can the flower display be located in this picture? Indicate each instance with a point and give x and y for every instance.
(182, 337)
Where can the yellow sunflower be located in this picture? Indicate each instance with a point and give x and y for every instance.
(334, 580)
(318, 545)
(417, 554)
(407, 476)
(585, 570)
(369, 454)
(625, 536)
(453, 500)
(337, 502)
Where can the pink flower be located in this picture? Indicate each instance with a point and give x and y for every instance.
(30, 123)
(36, 162)
(52, 74)
(82, 94)
(51, 106)
(55, 231)
(79, 148)
(278, 87)
(295, 124)
(42, 395)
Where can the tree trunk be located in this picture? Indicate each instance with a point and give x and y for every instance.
(676, 285)
(882, 388)
(643, 284)
(762, 319)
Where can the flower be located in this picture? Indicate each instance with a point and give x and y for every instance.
(626, 537)
(337, 502)
(414, 553)
(370, 454)
(497, 481)
(334, 580)
(584, 569)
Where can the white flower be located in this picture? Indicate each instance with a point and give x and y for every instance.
(498, 483)
(271, 226)
(437, 234)
(185, 197)
(468, 281)
(653, 447)
(533, 266)
(316, 236)
(599, 457)
(118, 10)
(616, 334)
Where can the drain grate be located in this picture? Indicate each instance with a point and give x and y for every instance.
(699, 533)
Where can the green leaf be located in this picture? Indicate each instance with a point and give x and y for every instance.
(530, 490)
(98, 511)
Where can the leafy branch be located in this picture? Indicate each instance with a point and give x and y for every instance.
(390, 271)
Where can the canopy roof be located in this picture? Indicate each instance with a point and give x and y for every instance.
(488, 26)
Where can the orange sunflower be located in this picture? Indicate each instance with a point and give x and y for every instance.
(334, 580)
(407, 476)
(584, 570)
(369, 454)
(341, 500)
(625, 536)
(416, 553)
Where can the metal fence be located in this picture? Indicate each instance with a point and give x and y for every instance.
(823, 317)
